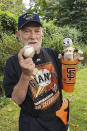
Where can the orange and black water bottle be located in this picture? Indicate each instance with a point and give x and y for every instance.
(69, 68)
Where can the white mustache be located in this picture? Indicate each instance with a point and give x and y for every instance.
(32, 41)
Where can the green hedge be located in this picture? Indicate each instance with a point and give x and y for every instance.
(8, 45)
(8, 22)
(53, 36)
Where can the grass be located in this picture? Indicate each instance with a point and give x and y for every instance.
(78, 107)
(9, 112)
(9, 117)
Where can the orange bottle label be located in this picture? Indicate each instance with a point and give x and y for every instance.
(69, 69)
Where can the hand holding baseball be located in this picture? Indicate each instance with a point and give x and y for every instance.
(26, 64)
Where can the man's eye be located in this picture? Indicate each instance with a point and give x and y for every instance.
(37, 31)
(27, 31)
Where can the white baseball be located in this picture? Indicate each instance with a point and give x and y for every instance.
(29, 51)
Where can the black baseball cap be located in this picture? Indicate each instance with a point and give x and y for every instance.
(27, 18)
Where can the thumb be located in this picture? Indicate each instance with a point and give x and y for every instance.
(20, 54)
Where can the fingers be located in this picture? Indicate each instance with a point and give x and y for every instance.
(20, 54)
(22, 60)
(78, 57)
(28, 61)
(81, 58)
(27, 65)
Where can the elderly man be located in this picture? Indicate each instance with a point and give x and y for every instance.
(34, 83)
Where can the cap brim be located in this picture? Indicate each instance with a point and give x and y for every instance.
(29, 22)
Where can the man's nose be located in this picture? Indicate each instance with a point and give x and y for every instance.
(33, 35)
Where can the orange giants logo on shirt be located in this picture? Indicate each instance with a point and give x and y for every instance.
(45, 79)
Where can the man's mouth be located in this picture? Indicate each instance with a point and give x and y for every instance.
(32, 43)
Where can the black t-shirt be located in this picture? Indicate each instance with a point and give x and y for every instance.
(47, 77)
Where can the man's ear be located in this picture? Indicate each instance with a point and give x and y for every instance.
(17, 34)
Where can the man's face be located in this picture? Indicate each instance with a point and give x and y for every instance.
(31, 35)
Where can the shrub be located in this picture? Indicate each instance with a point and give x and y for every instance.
(85, 55)
(8, 22)
(53, 36)
(8, 46)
